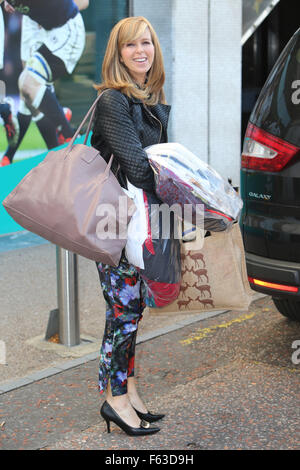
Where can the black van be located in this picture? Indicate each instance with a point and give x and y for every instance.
(270, 185)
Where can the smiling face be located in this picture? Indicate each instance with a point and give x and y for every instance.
(138, 55)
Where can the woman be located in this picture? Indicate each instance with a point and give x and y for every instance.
(6, 104)
(131, 115)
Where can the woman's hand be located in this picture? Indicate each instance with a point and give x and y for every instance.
(8, 8)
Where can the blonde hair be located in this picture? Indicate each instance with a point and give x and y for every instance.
(115, 74)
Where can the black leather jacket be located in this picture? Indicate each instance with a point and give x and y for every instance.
(123, 127)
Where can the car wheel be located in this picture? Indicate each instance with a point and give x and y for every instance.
(289, 308)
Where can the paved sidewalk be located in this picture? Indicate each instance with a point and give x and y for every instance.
(28, 294)
(225, 382)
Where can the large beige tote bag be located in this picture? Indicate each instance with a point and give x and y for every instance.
(213, 277)
(73, 200)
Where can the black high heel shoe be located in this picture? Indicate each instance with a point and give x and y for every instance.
(150, 417)
(109, 414)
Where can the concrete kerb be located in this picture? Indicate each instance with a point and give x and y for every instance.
(48, 372)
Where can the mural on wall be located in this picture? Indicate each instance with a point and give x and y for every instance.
(59, 69)
(43, 43)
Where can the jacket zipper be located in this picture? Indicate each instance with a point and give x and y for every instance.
(156, 119)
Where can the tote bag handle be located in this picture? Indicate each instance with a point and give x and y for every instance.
(91, 110)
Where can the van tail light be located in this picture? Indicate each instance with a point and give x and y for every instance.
(265, 152)
(272, 285)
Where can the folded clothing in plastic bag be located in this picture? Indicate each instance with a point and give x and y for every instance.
(162, 271)
(183, 178)
(153, 247)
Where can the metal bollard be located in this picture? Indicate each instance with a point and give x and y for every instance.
(67, 296)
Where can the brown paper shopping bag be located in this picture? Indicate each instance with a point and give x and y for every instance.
(213, 277)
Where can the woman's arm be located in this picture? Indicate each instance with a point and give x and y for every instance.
(114, 124)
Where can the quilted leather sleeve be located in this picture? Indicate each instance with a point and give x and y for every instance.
(114, 125)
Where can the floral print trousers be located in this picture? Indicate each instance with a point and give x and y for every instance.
(122, 287)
